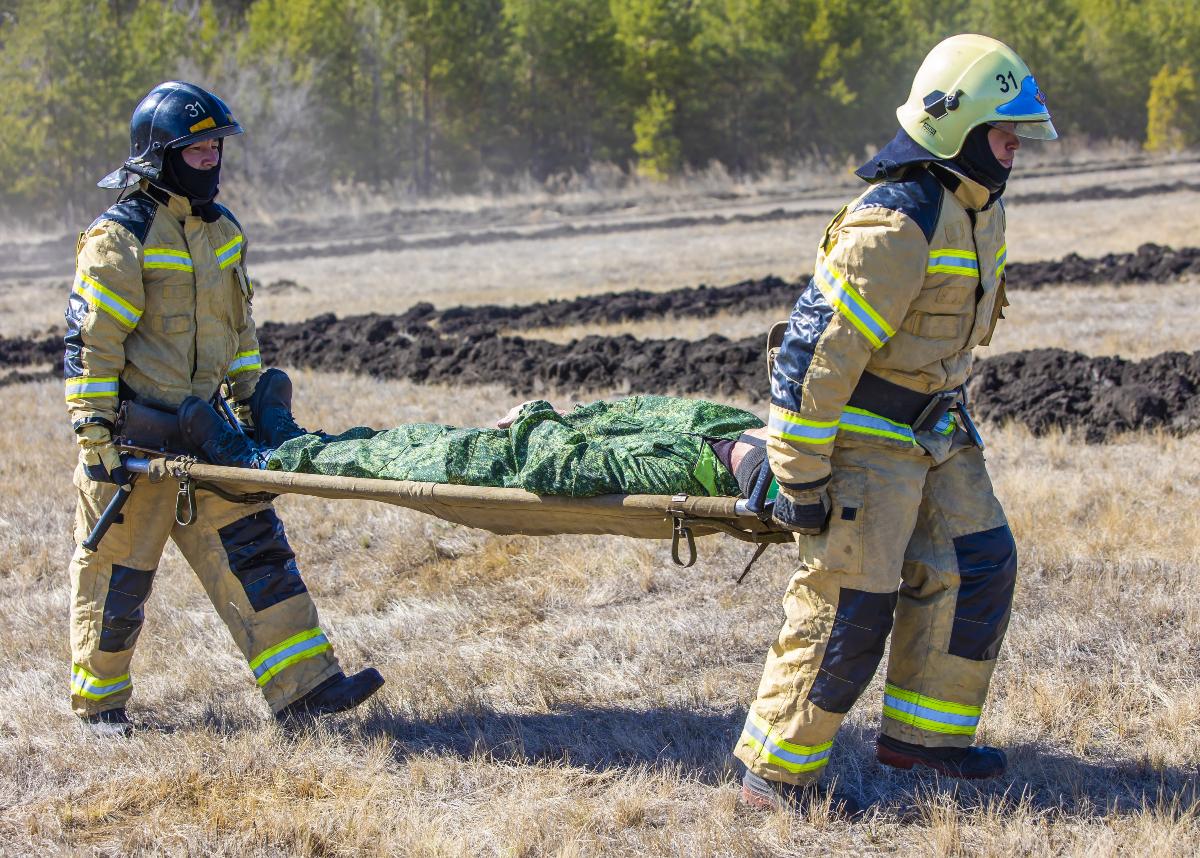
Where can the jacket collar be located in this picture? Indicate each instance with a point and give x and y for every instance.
(178, 206)
(903, 152)
(966, 190)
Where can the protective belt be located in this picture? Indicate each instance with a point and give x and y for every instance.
(921, 411)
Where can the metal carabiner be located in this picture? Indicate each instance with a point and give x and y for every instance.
(185, 502)
(680, 529)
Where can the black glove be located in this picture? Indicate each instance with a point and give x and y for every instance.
(808, 518)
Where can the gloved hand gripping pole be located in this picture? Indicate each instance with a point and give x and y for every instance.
(112, 512)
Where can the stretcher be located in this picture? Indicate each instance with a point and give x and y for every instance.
(680, 518)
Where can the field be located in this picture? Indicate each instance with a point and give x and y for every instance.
(579, 695)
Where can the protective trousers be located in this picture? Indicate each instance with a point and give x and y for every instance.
(241, 555)
(926, 547)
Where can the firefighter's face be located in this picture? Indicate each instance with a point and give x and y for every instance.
(1004, 143)
(203, 155)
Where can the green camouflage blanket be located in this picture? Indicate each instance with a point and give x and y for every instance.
(637, 445)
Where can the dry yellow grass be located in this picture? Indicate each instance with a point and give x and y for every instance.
(579, 695)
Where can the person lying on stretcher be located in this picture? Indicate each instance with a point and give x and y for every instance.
(633, 445)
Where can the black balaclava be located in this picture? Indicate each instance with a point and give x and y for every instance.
(977, 162)
(198, 186)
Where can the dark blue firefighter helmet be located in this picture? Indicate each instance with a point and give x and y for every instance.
(173, 114)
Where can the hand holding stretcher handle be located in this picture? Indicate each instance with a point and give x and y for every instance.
(757, 499)
(111, 514)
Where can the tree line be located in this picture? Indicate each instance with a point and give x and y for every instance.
(436, 96)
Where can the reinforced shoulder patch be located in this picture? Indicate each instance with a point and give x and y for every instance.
(135, 213)
(918, 196)
(229, 215)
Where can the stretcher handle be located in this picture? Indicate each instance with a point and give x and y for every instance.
(111, 514)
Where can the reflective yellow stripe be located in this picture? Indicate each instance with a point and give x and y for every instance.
(230, 252)
(107, 300)
(236, 240)
(852, 306)
(167, 258)
(930, 713)
(869, 423)
(790, 426)
(91, 687)
(932, 702)
(244, 362)
(943, 262)
(271, 662)
(787, 755)
(84, 387)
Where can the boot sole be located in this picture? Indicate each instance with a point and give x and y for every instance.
(902, 761)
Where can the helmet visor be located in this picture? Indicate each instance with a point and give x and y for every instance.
(1040, 129)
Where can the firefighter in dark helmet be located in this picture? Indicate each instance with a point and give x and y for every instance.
(160, 313)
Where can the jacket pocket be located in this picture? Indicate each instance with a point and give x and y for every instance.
(935, 326)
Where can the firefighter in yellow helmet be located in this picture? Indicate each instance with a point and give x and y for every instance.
(881, 471)
(160, 314)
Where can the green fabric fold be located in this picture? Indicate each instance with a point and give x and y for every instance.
(635, 445)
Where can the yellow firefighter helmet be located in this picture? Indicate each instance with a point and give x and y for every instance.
(968, 80)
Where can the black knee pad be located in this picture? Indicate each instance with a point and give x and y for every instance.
(987, 569)
(124, 613)
(860, 630)
(261, 559)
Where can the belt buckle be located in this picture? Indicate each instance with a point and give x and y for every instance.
(935, 409)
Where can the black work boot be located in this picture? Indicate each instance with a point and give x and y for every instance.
(109, 724)
(973, 763)
(758, 792)
(336, 694)
(271, 408)
(207, 434)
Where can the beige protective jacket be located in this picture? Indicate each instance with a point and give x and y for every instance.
(160, 308)
(909, 279)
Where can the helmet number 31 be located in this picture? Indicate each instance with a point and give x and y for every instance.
(1004, 82)
(195, 108)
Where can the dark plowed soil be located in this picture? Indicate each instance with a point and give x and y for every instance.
(1042, 389)
(1048, 388)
